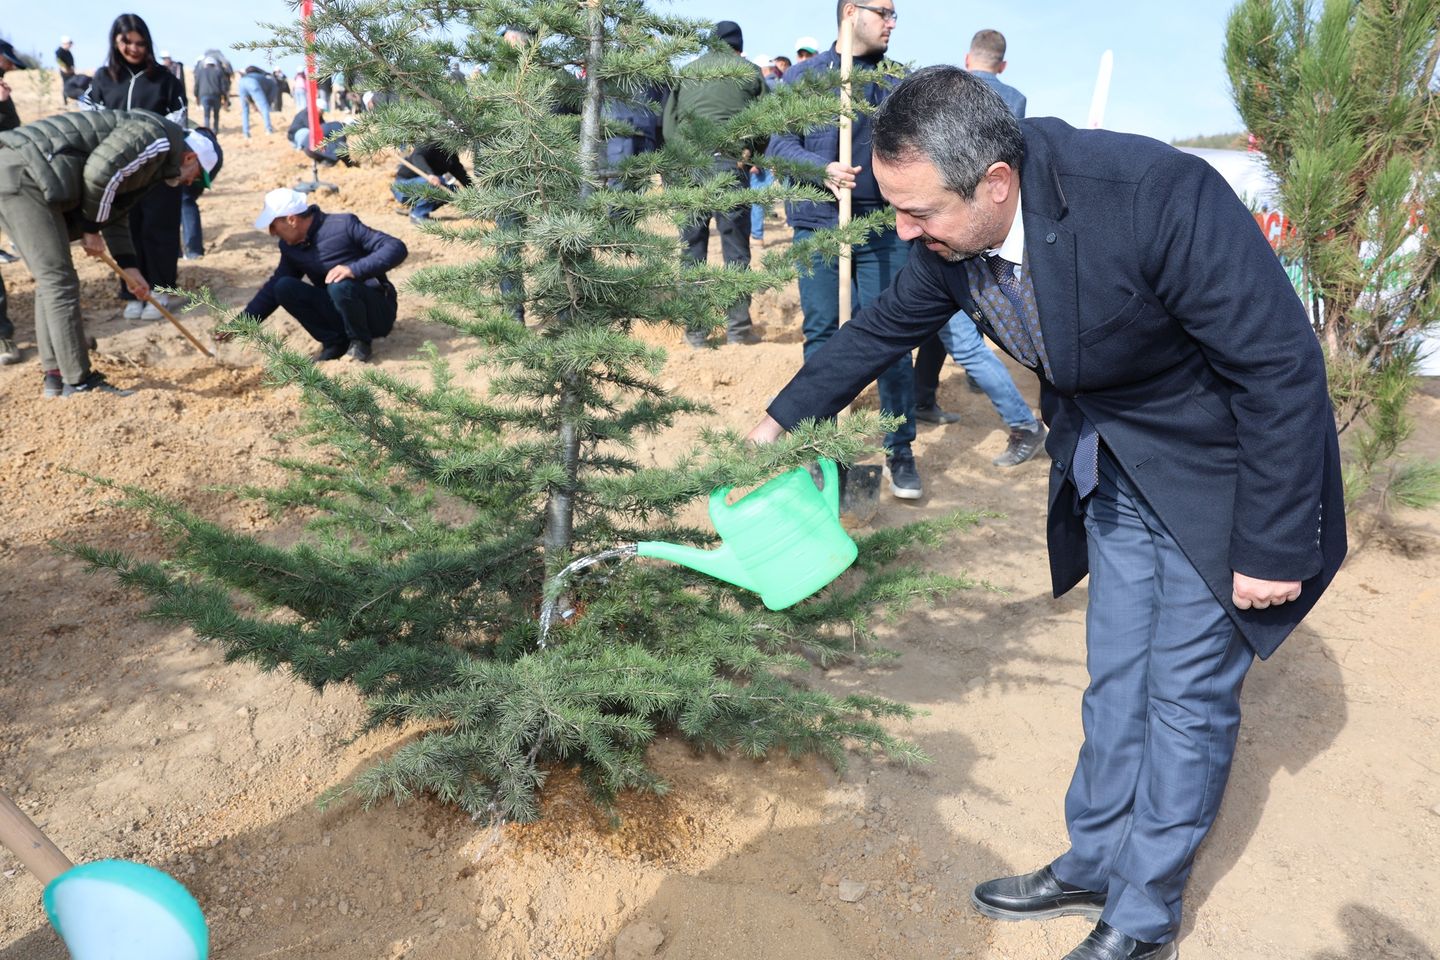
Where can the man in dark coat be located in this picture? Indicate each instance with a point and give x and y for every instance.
(77, 176)
(349, 301)
(1196, 473)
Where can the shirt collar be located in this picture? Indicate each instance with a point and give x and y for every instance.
(1013, 247)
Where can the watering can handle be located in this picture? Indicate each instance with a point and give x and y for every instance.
(831, 475)
(18, 832)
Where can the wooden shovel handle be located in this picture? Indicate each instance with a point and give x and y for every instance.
(847, 63)
(406, 163)
(105, 255)
(18, 832)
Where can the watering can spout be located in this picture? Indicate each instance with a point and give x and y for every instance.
(720, 563)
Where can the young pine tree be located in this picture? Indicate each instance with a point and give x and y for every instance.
(438, 518)
(1341, 96)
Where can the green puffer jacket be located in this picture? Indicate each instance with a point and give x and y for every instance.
(92, 167)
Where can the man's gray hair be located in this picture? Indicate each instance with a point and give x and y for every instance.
(954, 120)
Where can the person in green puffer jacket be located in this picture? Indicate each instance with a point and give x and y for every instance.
(75, 176)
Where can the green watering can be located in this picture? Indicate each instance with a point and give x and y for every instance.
(783, 541)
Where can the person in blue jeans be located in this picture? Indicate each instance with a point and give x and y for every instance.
(759, 177)
(255, 89)
(876, 262)
(192, 234)
(331, 277)
(962, 340)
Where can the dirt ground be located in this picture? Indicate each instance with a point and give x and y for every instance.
(125, 738)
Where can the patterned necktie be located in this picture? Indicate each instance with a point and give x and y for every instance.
(1085, 467)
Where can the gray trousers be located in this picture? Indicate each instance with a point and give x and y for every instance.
(40, 234)
(1160, 715)
(734, 228)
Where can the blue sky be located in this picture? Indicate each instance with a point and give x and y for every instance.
(1168, 80)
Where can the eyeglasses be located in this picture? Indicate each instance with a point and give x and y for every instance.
(887, 14)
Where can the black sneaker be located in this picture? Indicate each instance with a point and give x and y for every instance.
(934, 414)
(359, 351)
(1023, 445)
(95, 382)
(904, 478)
(749, 338)
(332, 351)
(54, 386)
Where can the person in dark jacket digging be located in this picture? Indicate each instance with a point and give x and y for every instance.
(430, 163)
(349, 301)
(76, 176)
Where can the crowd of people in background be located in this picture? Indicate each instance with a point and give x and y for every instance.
(165, 224)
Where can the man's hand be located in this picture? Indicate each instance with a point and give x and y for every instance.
(1248, 593)
(93, 244)
(766, 431)
(139, 286)
(342, 272)
(434, 181)
(222, 336)
(839, 177)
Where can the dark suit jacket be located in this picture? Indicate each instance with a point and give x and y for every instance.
(1170, 324)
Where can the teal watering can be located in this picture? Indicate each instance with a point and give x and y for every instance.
(783, 540)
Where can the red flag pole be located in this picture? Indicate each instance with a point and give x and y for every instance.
(312, 82)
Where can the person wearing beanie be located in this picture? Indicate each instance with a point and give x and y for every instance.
(78, 176)
(717, 101)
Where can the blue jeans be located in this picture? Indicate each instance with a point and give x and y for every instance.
(420, 207)
(211, 108)
(192, 234)
(1160, 715)
(875, 263)
(337, 313)
(251, 90)
(763, 178)
(964, 342)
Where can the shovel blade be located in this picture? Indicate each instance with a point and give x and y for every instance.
(859, 494)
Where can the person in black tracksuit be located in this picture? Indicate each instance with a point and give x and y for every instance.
(132, 79)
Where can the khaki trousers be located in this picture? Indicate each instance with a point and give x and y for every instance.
(40, 235)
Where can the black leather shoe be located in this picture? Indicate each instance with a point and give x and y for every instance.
(1107, 943)
(1035, 896)
(332, 351)
(935, 415)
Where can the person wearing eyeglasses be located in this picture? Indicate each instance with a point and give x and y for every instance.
(132, 79)
(877, 261)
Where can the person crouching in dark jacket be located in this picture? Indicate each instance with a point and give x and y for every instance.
(429, 164)
(349, 301)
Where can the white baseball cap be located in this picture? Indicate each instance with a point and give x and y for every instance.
(281, 202)
(204, 150)
(64, 39)
(164, 54)
(807, 43)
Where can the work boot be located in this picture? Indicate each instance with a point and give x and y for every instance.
(95, 382)
(9, 352)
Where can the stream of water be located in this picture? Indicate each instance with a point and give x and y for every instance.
(555, 589)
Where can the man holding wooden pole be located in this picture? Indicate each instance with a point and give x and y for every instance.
(75, 176)
(826, 293)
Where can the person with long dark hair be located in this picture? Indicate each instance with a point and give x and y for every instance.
(132, 79)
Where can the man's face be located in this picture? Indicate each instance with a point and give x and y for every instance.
(872, 29)
(6, 64)
(189, 169)
(291, 229)
(947, 223)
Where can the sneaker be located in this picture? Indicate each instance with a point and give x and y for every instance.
(54, 386)
(9, 352)
(151, 311)
(332, 351)
(94, 382)
(359, 351)
(934, 414)
(133, 309)
(7, 257)
(696, 339)
(904, 478)
(748, 338)
(1023, 445)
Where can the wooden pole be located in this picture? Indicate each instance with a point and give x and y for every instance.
(18, 832)
(105, 255)
(847, 63)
